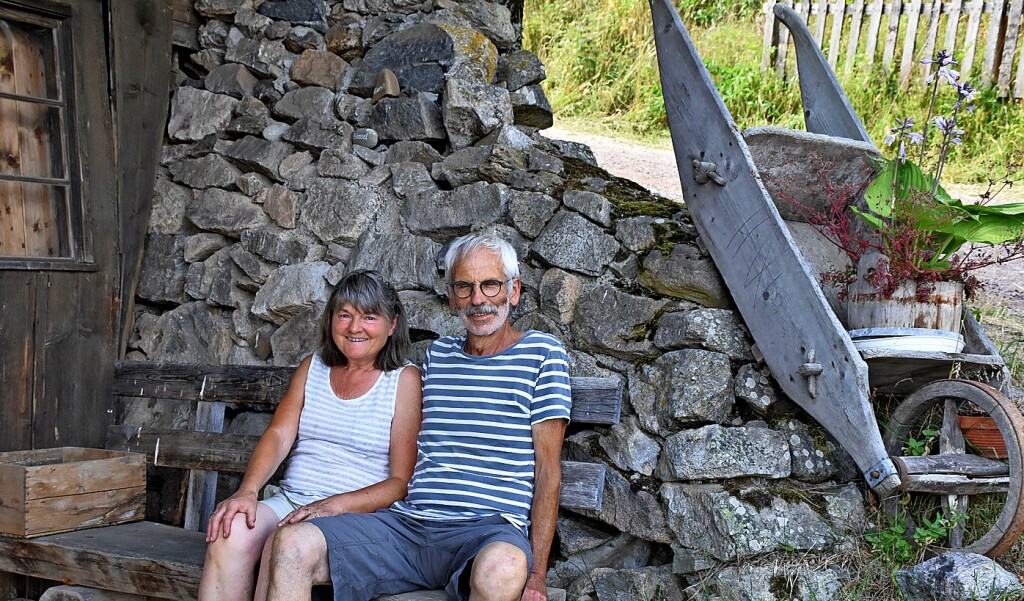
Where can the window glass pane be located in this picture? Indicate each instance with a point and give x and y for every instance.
(34, 216)
(33, 220)
(28, 58)
(30, 140)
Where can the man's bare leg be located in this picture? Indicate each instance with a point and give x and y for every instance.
(499, 573)
(298, 560)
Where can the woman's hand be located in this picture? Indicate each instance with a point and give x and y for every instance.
(317, 509)
(220, 522)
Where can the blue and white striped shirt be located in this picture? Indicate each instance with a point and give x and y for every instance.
(476, 455)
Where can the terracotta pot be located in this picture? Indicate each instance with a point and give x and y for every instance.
(940, 309)
(982, 432)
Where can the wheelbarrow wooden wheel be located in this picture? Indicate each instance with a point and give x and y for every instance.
(951, 474)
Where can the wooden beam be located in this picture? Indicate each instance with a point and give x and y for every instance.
(946, 484)
(141, 54)
(582, 483)
(595, 400)
(973, 466)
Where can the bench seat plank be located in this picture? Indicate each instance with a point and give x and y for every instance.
(143, 558)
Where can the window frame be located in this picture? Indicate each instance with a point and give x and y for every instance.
(58, 17)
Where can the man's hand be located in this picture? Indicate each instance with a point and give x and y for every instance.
(535, 589)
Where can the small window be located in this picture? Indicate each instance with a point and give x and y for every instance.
(37, 216)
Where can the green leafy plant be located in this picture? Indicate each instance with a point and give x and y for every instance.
(919, 446)
(890, 544)
(937, 529)
(924, 234)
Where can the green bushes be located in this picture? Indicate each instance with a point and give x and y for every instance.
(603, 74)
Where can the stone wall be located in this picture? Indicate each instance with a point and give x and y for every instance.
(280, 172)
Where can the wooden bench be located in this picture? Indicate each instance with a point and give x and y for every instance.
(188, 405)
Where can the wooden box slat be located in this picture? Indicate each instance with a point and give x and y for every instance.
(56, 490)
(88, 510)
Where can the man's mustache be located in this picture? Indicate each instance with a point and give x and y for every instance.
(479, 310)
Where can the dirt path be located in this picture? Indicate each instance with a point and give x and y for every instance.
(655, 169)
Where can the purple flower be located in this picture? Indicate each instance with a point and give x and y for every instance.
(966, 91)
(943, 58)
(949, 129)
(950, 75)
(915, 138)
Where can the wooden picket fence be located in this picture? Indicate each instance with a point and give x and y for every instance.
(904, 32)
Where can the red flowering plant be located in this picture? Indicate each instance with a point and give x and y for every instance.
(924, 234)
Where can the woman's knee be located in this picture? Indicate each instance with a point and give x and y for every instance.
(242, 542)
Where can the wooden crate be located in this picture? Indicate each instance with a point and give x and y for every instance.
(44, 491)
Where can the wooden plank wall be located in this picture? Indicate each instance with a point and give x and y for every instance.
(62, 326)
(905, 31)
(75, 324)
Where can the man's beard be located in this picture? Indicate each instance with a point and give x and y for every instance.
(501, 311)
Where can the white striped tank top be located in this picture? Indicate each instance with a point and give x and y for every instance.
(342, 444)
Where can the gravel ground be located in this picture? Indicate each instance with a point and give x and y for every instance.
(655, 169)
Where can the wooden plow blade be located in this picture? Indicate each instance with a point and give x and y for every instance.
(804, 344)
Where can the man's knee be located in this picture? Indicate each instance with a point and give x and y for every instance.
(499, 572)
(298, 547)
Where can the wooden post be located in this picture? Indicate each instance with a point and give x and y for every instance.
(780, 56)
(856, 18)
(202, 489)
(874, 24)
(951, 441)
(835, 39)
(891, 33)
(1009, 47)
(994, 38)
(952, 24)
(971, 36)
(932, 36)
(907, 60)
(819, 25)
(771, 35)
(804, 10)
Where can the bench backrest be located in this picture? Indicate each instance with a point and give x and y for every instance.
(189, 402)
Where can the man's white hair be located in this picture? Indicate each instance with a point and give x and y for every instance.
(462, 247)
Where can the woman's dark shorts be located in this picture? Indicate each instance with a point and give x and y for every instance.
(386, 553)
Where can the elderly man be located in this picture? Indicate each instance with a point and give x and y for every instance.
(482, 504)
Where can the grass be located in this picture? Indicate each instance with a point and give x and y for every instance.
(602, 70)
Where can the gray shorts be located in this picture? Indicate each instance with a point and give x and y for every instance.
(387, 553)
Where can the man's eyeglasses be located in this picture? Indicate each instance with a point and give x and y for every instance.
(489, 288)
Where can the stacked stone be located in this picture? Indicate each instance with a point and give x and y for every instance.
(281, 173)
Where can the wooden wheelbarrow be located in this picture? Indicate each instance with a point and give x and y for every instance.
(804, 344)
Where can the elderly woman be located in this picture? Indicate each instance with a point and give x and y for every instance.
(349, 419)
